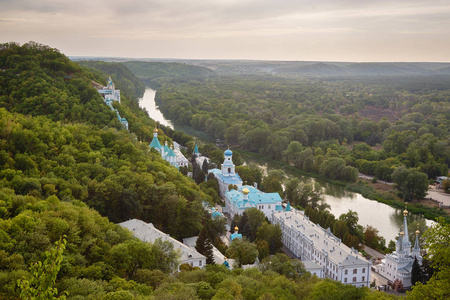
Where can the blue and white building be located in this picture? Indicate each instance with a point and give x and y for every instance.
(227, 174)
(167, 153)
(109, 91)
(245, 197)
(110, 94)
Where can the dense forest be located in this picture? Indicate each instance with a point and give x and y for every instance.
(68, 169)
(329, 126)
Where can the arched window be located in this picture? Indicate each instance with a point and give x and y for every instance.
(229, 170)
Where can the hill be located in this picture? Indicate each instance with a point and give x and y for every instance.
(153, 72)
(39, 80)
(124, 80)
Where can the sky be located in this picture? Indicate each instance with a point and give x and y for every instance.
(300, 30)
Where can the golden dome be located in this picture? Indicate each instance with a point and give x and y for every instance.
(236, 229)
(405, 212)
(155, 130)
(402, 233)
(417, 232)
(245, 191)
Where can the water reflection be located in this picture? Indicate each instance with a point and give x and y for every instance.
(148, 102)
(386, 219)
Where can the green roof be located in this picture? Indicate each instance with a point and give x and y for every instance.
(155, 143)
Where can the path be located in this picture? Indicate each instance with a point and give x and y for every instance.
(438, 195)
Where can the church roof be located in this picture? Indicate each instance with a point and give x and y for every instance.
(234, 179)
(171, 153)
(166, 149)
(228, 152)
(288, 207)
(155, 143)
(196, 149)
(236, 236)
(255, 197)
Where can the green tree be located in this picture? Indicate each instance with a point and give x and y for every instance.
(244, 226)
(282, 264)
(255, 219)
(416, 272)
(242, 251)
(438, 287)
(204, 246)
(412, 184)
(271, 234)
(41, 284)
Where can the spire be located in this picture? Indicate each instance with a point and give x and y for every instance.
(288, 207)
(416, 248)
(196, 149)
(400, 240)
(406, 242)
(155, 131)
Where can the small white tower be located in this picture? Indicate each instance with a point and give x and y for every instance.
(228, 168)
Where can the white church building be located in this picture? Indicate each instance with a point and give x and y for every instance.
(398, 264)
(227, 174)
(170, 154)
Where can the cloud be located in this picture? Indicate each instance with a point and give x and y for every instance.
(196, 27)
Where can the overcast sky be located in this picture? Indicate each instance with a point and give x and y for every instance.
(329, 30)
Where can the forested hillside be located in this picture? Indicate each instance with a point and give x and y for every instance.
(61, 146)
(330, 126)
(38, 80)
(153, 73)
(124, 80)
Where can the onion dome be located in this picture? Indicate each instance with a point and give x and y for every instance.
(402, 233)
(228, 152)
(245, 191)
(236, 229)
(417, 231)
(155, 130)
(405, 212)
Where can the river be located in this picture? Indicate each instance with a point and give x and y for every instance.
(148, 102)
(379, 215)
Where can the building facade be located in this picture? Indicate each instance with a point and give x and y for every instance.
(398, 264)
(109, 91)
(170, 154)
(110, 94)
(310, 242)
(227, 174)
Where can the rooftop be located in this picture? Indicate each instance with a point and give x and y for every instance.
(234, 179)
(321, 238)
(146, 232)
(255, 197)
